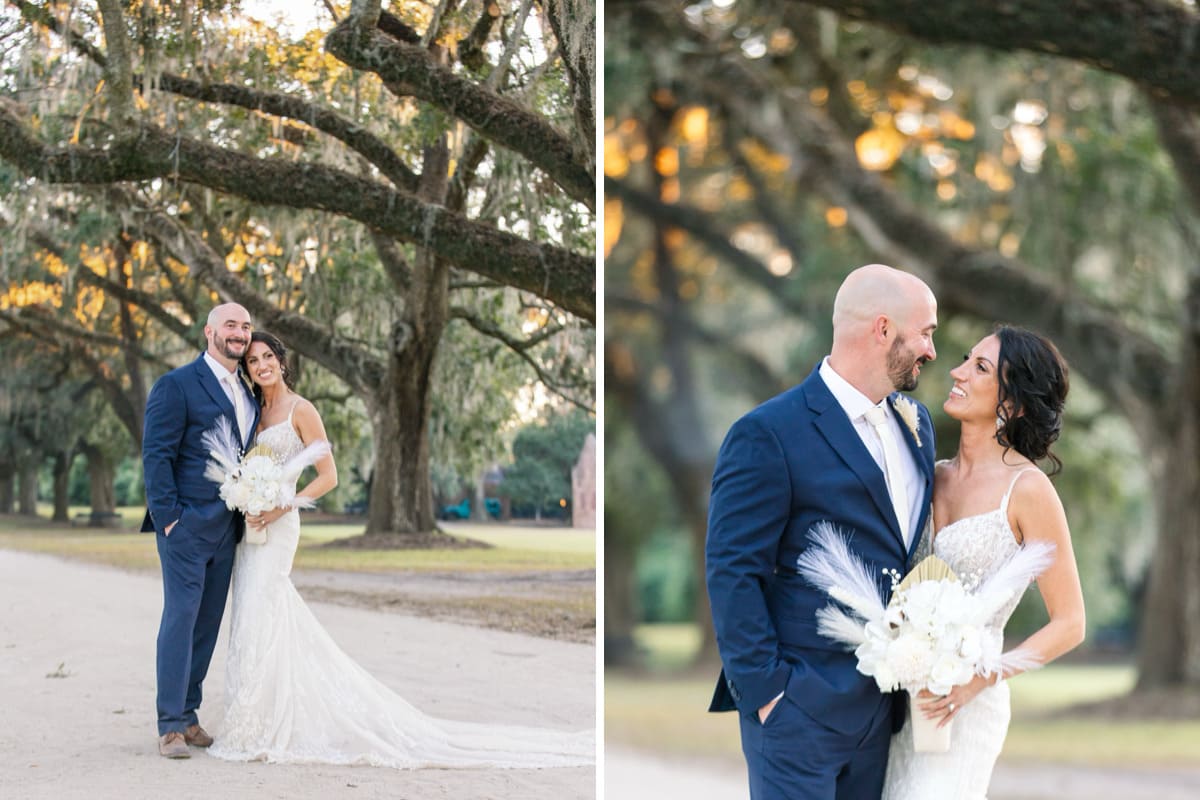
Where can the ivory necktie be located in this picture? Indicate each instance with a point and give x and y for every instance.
(891, 460)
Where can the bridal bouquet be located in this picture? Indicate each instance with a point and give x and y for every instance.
(933, 633)
(256, 482)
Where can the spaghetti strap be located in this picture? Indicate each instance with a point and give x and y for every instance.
(296, 402)
(1004, 502)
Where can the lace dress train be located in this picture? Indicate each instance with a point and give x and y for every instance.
(292, 695)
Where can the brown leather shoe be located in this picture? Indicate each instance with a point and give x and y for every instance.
(172, 745)
(197, 736)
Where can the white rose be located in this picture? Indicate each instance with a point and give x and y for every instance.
(971, 644)
(947, 672)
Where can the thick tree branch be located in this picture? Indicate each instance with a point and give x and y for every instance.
(364, 13)
(1179, 132)
(410, 70)
(351, 134)
(148, 303)
(470, 47)
(396, 28)
(118, 70)
(1154, 43)
(574, 26)
(498, 78)
(522, 347)
(753, 373)
(42, 16)
(1124, 364)
(706, 230)
(354, 364)
(563, 277)
(127, 404)
(394, 263)
(37, 321)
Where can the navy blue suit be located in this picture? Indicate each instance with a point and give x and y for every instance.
(790, 463)
(197, 558)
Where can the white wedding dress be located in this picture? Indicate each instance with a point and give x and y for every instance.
(976, 544)
(292, 695)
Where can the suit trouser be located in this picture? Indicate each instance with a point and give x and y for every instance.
(793, 757)
(196, 577)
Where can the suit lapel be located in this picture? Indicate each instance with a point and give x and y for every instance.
(924, 459)
(251, 404)
(839, 432)
(213, 387)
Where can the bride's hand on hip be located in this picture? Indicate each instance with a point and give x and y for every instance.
(944, 708)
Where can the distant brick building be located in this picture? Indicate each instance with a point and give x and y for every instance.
(583, 486)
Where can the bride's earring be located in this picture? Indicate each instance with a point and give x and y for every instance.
(999, 422)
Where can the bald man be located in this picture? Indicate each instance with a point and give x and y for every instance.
(835, 449)
(196, 533)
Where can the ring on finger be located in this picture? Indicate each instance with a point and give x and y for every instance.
(952, 708)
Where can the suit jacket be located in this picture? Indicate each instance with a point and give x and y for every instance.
(786, 465)
(184, 404)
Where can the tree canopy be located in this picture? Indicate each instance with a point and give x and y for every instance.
(392, 188)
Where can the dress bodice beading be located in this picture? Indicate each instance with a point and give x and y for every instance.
(281, 439)
(975, 547)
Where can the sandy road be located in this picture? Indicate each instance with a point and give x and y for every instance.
(631, 775)
(87, 730)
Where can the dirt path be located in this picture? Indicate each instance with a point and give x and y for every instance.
(86, 730)
(558, 605)
(630, 775)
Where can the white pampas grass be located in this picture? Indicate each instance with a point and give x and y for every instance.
(292, 468)
(835, 624)
(1020, 660)
(829, 565)
(1014, 575)
(223, 450)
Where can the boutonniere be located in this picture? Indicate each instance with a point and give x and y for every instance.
(907, 410)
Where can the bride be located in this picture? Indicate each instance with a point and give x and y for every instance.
(988, 501)
(291, 694)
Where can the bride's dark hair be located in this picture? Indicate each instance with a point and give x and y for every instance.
(277, 347)
(1034, 381)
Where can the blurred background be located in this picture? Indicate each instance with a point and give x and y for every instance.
(754, 153)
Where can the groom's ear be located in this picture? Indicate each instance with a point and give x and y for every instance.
(881, 328)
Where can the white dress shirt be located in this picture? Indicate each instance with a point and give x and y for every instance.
(855, 405)
(231, 383)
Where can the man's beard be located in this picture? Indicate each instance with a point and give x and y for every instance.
(223, 346)
(900, 363)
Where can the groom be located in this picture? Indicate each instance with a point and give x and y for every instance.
(844, 447)
(196, 533)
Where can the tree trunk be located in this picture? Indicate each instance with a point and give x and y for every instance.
(402, 493)
(7, 488)
(620, 600)
(102, 474)
(1169, 638)
(479, 509)
(62, 479)
(27, 499)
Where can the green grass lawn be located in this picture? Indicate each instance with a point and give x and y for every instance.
(515, 548)
(663, 711)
